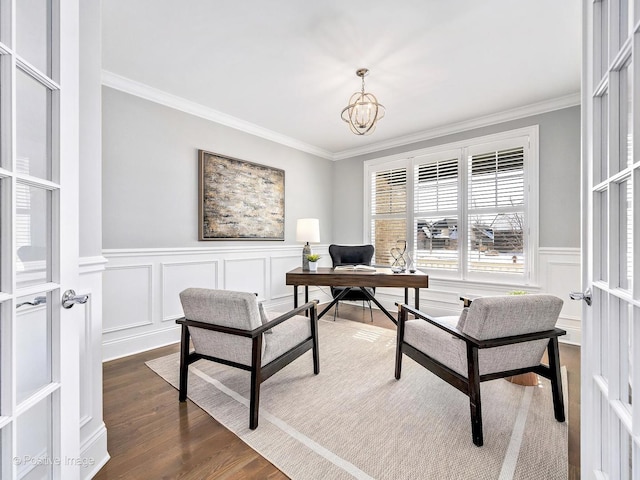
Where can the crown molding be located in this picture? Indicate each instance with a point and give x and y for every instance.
(508, 115)
(132, 87)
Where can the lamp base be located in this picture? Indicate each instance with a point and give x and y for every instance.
(306, 250)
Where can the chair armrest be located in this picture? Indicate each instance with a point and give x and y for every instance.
(312, 305)
(216, 328)
(490, 342)
(249, 333)
(433, 321)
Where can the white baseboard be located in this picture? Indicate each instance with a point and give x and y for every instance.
(133, 344)
(94, 449)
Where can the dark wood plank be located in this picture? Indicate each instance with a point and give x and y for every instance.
(152, 435)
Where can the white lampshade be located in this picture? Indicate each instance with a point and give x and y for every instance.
(308, 230)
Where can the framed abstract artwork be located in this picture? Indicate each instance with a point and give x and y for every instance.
(239, 200)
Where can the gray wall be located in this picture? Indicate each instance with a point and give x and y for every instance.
(150, 181)
(559, 178)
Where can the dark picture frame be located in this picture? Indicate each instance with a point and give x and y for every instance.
(239, 200)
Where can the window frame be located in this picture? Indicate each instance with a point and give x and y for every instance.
(528, 138)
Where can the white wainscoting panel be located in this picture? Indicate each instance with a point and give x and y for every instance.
(93, 434)
(246, 274)
(280, 265)
(177, 276)
(141, 287)
(128, 297)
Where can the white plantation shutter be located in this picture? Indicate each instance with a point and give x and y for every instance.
(436, 214)
(496, 211)
(468, 210)
(497, 179)
(388, 212)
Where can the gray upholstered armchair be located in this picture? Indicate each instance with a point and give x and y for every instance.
(231, 328)
(494, 337)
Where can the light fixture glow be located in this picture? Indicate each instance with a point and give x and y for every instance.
(364, 111)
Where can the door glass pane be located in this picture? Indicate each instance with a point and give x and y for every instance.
(601, 27)
(34, 454)
(601, 154)
(626, 235)
(626, 469)
(604, 434)
(626, 351)
(436, 241)
(33, 207)
(604, 335)
(601, 229)
(33, 345)
(33, 33)
(626, 118)
(33, 127)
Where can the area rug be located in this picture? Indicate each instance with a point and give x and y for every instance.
(354, 420)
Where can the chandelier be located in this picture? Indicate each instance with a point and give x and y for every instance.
(364, 111)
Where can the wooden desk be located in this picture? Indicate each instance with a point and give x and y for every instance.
(381, 277)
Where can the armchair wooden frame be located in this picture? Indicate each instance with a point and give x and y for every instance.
(470, 385)
(259, 372)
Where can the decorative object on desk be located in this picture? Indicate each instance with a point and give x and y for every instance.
(364, 111)
(399, 264)
(411, 265)
(307, 230)
(363, 268)
(225, 209)
(518, 292)
(313, 262)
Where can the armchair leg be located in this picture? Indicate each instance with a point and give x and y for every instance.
(184, 363)
(402, 317)
(256, 367)
(556, 379)
(475, 402)
(314, 335)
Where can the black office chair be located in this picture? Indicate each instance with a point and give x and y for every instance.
(351, 255)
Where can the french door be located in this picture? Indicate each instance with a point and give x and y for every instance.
(39, 392)
(610, 426)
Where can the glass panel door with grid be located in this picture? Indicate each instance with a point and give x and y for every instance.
(610, 424)
(39, 347)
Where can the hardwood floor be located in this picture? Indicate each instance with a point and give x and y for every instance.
(153, 436)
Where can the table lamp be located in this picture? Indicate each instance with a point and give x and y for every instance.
(307, 230)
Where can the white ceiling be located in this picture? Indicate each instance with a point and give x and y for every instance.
(288, 66)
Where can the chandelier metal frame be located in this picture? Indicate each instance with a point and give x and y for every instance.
(364, 111)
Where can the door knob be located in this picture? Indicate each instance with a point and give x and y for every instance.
(35, 301)
(69, 299)
(586, 296)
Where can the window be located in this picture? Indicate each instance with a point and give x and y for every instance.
(467, 210)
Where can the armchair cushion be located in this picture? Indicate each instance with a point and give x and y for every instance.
(489, 317)
(285, 336)
(225, 308)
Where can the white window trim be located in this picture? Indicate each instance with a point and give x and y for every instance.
(532, 187)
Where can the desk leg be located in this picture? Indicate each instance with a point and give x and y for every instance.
(306, 294)
(406, 296)
(382, 309)
(295, 296)
(417, 299)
